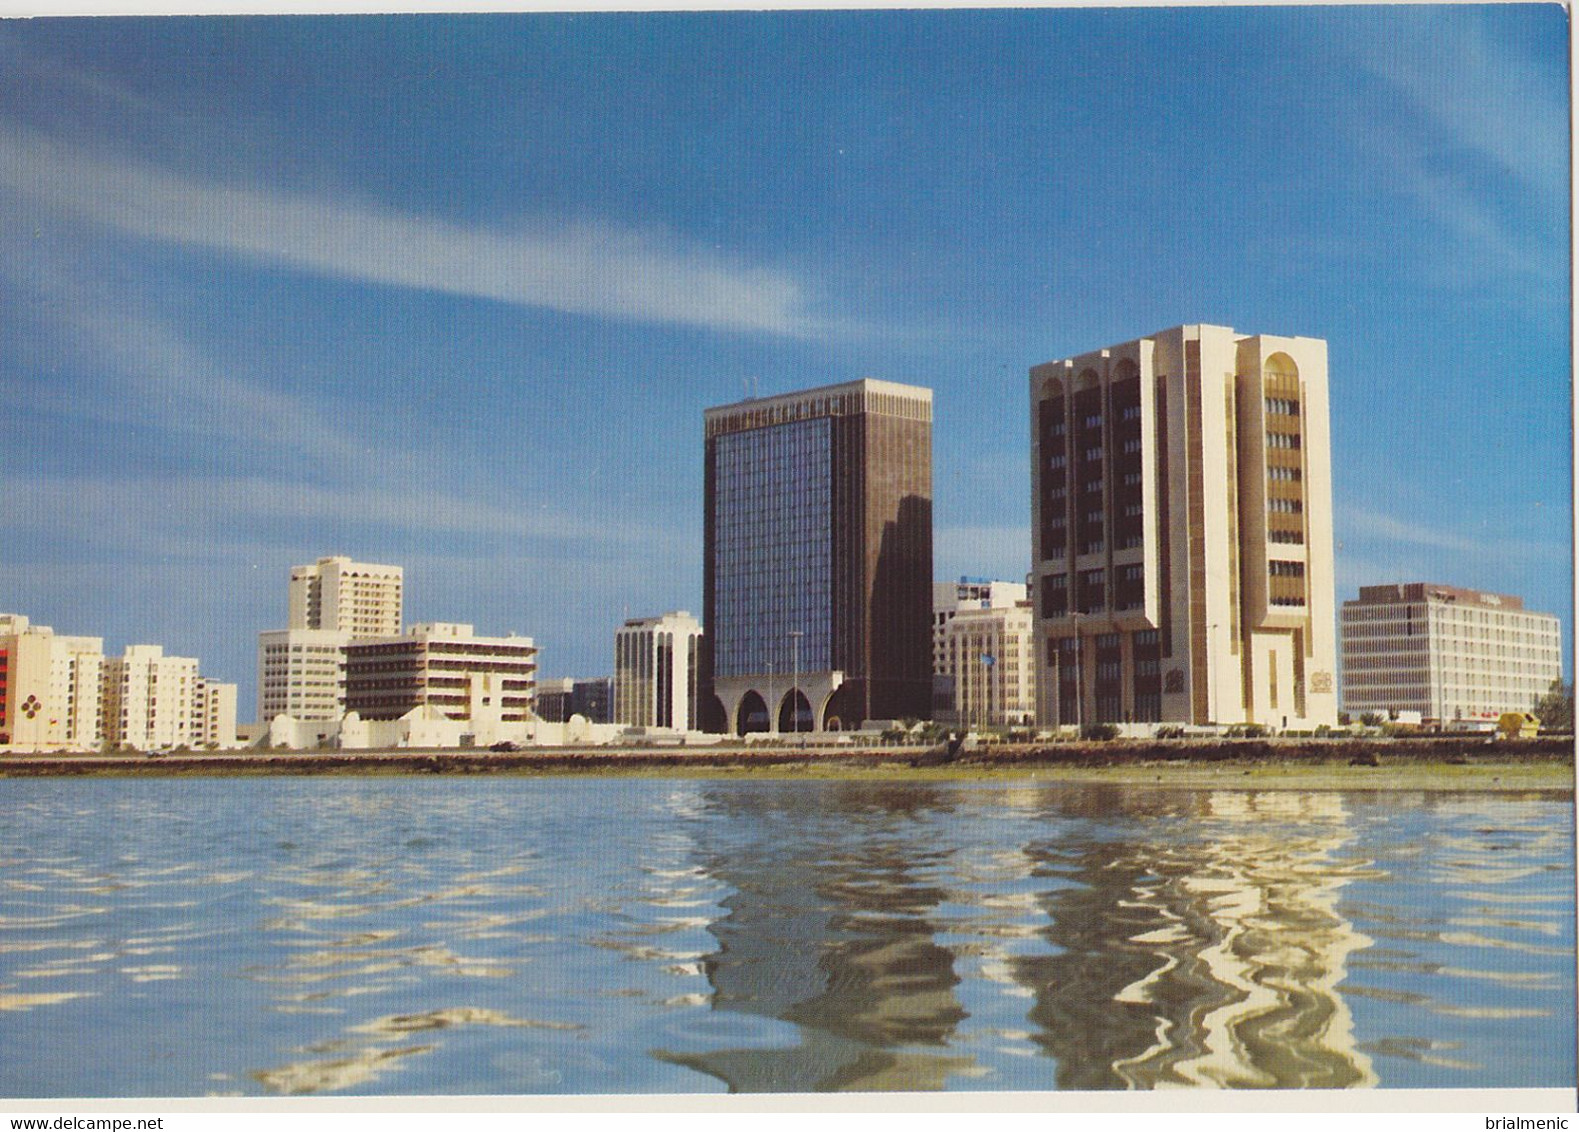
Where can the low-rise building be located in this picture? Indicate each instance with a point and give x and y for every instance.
(1449, 653)
(444, 666)
(301, 673)
(983, 637)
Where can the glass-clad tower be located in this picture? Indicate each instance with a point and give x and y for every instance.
(818, 558)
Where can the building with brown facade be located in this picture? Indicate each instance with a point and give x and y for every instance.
(817, 575)
(1182, 532)
(445, 667)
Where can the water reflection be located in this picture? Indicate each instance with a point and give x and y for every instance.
(528, 936)
(1196, 961)
(838, 944)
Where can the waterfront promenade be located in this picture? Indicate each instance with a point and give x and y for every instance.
(1445, 763)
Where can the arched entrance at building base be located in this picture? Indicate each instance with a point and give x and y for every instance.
(752, 714)
(801, 708)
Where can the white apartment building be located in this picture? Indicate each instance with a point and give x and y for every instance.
(213, 714)
(984, 666)
(1446, 652)
(50, 694)
(1182, 532)
(150, 699)
(301, 673)
(655, 672)
(363, 599)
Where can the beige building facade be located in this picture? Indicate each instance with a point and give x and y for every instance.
(332, 602)
(363, 599)
(301, 673)
(1182, 532)
(983, 652)
(50, 687)
(656, 671)
(150, 699)
(1449, 653)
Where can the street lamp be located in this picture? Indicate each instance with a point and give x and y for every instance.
(1080, 707)
(773, 704)
(795, 635)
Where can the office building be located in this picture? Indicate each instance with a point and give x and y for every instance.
(301, 673)
(446, 667)
(984, 650)
(593, 699)
(817, 565)
(334, 601)
(553, 698)
(1182, 532)
(50, 687)
(655, 671)
(1445, 652)
(359, 598)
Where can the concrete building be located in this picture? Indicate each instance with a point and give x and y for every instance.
(50, 687)
(360, 598)
(154, 701)
(213, 714)
(301, 673)
(983, 637)
(1182, 532)
(817, 565)
(655, 671)
(334, 601)
(446, 667)
(1448, 653)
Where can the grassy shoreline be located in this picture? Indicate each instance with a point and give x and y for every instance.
(1541, 765)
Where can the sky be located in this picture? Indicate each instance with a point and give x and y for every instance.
(452, 292)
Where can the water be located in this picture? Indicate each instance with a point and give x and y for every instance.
(508, 935)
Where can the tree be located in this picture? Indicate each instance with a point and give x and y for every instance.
(1555, 709)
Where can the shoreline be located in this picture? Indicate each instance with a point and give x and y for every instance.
(1433, 764)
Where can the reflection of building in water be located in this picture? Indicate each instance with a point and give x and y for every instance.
(840, 946)
(1209, 962)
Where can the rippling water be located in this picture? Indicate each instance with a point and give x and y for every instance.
(302, 936)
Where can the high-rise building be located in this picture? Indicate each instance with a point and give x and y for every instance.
(49, 686)
(334, 601)
(817, 566)
(1446, 652)
(359, 598)
(655, 671)
(444, 666)
(1182, 531)
(983, 651)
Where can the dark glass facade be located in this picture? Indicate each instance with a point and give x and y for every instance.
(818, 530)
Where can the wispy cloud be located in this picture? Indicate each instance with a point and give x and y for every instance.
(1364, 525)
(158, 515)
(579, 268)
(1478, 135)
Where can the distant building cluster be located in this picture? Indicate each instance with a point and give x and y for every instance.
(1182, 573)
(63, 693)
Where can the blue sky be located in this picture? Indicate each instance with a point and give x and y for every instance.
(452, 292)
